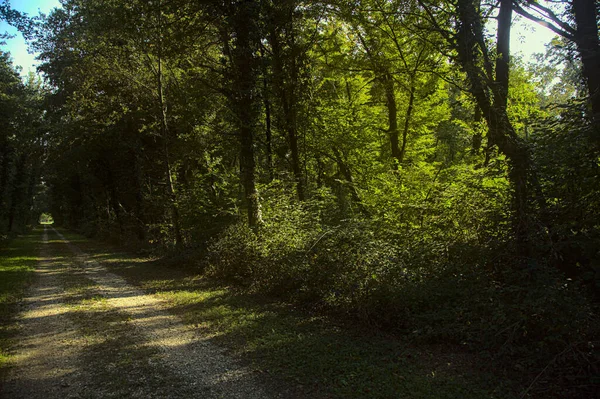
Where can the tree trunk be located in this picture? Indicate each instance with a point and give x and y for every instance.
(503, 55)
(501, 131)
(268, 132)
(504, 132)
(347, 173)
(288, 87)
(392, 107)
(244, 101)
(409, 111)
(17, 191)
(34, 177)
(477, 137)
(4, 177)
(139, 196)
(586, 37)
(165, 135)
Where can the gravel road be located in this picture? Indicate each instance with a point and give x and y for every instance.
(86, 333)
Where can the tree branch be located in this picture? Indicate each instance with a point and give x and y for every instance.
(521, 11)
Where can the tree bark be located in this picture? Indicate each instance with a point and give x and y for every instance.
(139, 197)
(168, 171)
(347, 173)
(268, 130)
(409, 112)
(503, 54)
(470, 46)
(387, 80)
(244, 64)
(17, 191)
(4, 176)
(588, 45)
(392, 107)
(287, 84)
(172, 197)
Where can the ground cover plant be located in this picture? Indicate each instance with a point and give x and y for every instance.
(18, 258)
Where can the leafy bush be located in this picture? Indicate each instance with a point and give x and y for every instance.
(271, 258)
(463, 287)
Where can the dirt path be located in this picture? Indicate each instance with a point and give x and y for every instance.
(86, 333)
(47, 356)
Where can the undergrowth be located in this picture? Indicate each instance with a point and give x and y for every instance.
(532, 321)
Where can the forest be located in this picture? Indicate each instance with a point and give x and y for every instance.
(387, 161)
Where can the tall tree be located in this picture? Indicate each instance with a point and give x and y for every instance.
(241, 44)
(21, 146)
(288, 56)
(489, 87)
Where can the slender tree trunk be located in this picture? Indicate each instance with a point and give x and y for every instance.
(387, 80)
(4, 178)
(392, 107)
(17, 191)
(248, 176)
(165, 135)
(503, 55)
(32, 181)
(288, 87)
(139, 197)
(244, 101)
(347, 173)
(501, 131)
(409, 112)
(320, 172)
(477, 137)
(588, 44)
(168, 170)
(268, 132)
(296, 167)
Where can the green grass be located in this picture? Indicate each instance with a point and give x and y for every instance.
(17, 262)
(318, 355)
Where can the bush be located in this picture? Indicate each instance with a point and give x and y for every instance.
(420, 280)
(272, 258)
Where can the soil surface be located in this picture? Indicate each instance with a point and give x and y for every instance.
(86, 333)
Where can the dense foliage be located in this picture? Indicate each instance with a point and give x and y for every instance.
(383, 159)
(21, 148)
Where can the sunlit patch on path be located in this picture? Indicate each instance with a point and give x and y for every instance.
(47, 360)
(86, 333)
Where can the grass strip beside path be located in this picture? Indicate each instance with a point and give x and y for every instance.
(18, 258)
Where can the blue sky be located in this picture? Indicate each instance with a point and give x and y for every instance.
(17, 46)
(527, 37)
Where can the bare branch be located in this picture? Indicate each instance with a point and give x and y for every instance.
(519, 10)
(552, 16)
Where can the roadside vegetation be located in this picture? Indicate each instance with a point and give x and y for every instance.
(321, 355)
(17, 262)
(326, 353)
